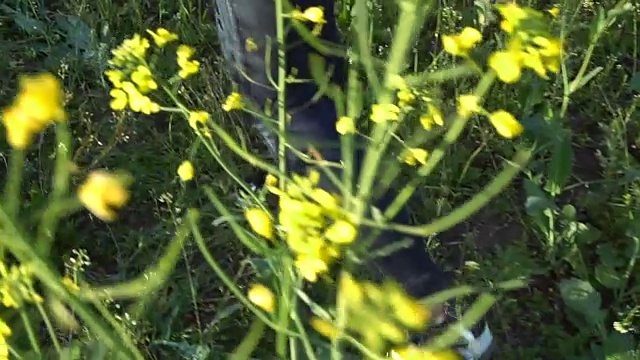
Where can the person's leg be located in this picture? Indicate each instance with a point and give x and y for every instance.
(312, 122)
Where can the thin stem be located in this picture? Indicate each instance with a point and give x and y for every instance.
(30, 334)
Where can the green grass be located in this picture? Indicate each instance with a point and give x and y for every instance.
(194, 314)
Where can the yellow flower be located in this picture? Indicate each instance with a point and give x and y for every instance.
(101, 193)
(143, 78)
(186, 171)
(313, 14)
(119, 99)
(533, 60)
(341, 232)
(384, 112)
(162, 36)
(414, 156)
(468, 104)
(271, 180)
(323, 327)
(461, 44)
(131, 50)
(310, 267)
(198, 117)
(8, 300)
(115, 77)
(506, 124)
(233, 102)
(262, 297)
(433, 116)
(137, 101)
(188, 67)
(554, 11)
(512, 15)
(39, 103)
(345, 125)
(260, 222)
(507, 65)
(405, 97)
(5, 331)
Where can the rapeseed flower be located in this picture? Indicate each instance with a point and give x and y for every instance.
(460, 44)
(384, 112)
(38, 104)
(186, 171)
(162, 36)
(505, 124)
(187, 66)
(345, 125)
(103, 192)
(262, 297)
(233, 102)
(260, 222)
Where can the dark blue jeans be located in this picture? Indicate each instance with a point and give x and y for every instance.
(312, 121)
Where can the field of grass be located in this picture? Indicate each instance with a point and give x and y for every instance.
(570, 223)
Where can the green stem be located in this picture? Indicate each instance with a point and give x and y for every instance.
(14, 180)
(50, 329)
(401, 42)
(30, 334)
(250, 342)
(60, 180)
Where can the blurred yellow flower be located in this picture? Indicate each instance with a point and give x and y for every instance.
(507, 65)
(468, 104)
(115, 77)
(132, 50)
(461, 44)
(384, 112)
(135, 99)
(341, 232)
(270, 180)
(39, 103)
(186, 171)
(311, 266)
(554, 11)
(119, 99)
(505, 124)
(260, 222)
(5, 331)
(345, 125)
(143, 78)
(101, 193)
(433, 116)
(313, 14)
(415, 156)
(198, 117)
(188, 67)
(405, 97)
(512, 15)
(262, 297)
(323, 327)
(162, 36)
(232, 102)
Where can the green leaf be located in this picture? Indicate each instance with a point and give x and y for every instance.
(559, 170)
(608, 276)
(581, 297)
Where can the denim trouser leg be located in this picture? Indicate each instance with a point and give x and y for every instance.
(312, 122)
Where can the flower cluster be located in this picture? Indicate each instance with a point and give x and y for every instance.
(16, 287)
(38, 104)
(529, 45)
(378, 314)
(503, 121)
(311, 222)
(132, 77)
